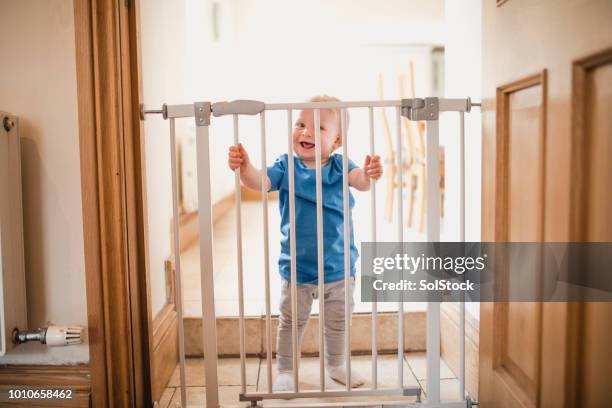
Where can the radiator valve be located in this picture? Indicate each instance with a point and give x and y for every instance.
(52, 336)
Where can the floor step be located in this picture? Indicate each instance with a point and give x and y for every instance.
(228, 342)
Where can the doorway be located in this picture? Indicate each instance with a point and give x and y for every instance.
(399, 53)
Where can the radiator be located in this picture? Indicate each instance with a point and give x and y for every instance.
(13, 314)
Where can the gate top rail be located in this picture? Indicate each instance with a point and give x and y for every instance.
(410, 107)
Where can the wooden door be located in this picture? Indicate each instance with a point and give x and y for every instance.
(547, 144)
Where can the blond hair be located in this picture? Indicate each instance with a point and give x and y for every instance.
(337, 111)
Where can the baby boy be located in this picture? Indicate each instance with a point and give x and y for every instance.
(306, 233)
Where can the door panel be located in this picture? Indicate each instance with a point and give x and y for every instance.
(547, 140)
(598, 99)
(592, 217)
(519, 179)
(524, 139)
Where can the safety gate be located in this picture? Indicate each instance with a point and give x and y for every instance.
(415, 109)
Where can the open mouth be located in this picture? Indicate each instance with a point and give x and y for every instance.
(307, 145)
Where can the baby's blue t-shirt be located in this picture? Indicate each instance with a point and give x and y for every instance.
(306, 219)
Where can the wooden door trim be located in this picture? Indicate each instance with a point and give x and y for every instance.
(112, 192)
(497, 225)
(580, 141)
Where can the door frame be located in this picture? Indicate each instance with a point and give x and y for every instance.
(114, 217)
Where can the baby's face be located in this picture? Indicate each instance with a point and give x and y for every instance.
(304, 134)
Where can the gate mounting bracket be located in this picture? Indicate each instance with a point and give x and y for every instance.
(202, 113)
(420, 109)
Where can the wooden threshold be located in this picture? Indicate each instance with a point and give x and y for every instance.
(255, 326)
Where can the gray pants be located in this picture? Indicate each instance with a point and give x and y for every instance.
(334, 320)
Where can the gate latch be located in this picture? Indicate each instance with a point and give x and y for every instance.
(420, 109)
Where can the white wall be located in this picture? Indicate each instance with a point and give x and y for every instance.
(289, 50)
(339, 21)
(463, 78)
(38, 83)
(163, 60)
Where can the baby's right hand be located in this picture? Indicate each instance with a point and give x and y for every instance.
(237, 157)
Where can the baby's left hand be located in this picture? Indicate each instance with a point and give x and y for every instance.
(372, 167)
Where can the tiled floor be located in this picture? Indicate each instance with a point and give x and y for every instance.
(225, 268)
(256, 375)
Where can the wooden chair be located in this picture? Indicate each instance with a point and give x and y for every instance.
(390, 160)
(415, 146)
(413, 161)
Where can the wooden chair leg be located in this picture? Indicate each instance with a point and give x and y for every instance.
(422, 188)
(390, 194)
(414, 191)
(409, 198)
(442, 175)
(391, 184)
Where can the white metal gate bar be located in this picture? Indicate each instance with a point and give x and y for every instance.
(201, 111)
(264, 197)
(432, 188)
(373, 237)
(413, 109)
(400, 238)
(462, 239)
(347, 251)
(239, 263)
(177, 260)
(320, 250)
(295, 350)
(444, 105)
